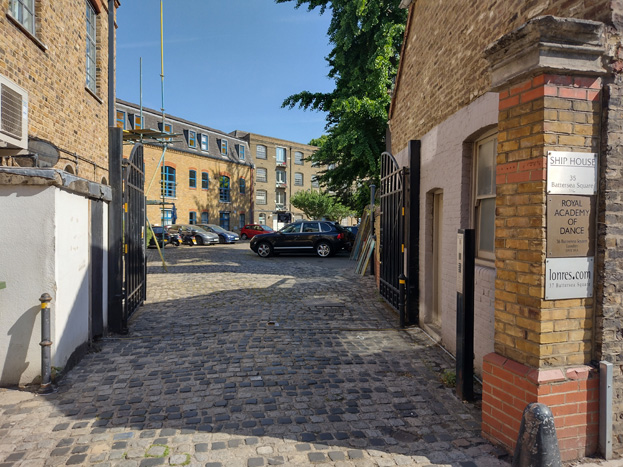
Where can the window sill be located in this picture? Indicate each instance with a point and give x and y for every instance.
(485, 263)
(95, 96)
(33, 38)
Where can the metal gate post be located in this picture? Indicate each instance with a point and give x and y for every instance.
(115, 234)
(466, 248)
(46, 343)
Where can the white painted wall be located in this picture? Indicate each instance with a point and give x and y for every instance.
(446, 166)
(27, 263)
(70, 326)
(44, 248)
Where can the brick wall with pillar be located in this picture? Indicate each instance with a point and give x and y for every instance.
(549, 77)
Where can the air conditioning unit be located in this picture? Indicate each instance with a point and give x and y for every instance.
(13, 115)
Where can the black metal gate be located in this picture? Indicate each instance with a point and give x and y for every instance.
(392, 235)
(399, 235)
(134, 265)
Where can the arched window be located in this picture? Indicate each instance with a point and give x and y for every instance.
(205, 218)
(168, 181)
(192, 217)
(224, 195)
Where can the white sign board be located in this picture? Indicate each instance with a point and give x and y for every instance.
(569, 278)
(571, 173)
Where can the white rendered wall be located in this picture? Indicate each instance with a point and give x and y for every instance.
(70, 326)
(443, 165)
(27, 262)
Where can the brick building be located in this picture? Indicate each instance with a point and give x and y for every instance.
(517, 106)
(282, 168)
(54, 189)
(207, 174)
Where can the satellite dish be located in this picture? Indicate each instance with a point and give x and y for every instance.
(47, 154)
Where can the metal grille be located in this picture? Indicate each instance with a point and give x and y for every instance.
(10, 112)
(392, 235)
(134, 265)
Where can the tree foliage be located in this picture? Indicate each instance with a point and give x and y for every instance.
(318, 205)
(366, 36)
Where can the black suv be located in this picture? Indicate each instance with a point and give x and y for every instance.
(168, 239)
(325, 238)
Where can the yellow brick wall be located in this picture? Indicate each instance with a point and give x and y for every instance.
(443, 66)
(545, 113)
(188, 199)
(52, 69)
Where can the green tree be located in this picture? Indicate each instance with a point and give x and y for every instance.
(314, 204)
(366, 37)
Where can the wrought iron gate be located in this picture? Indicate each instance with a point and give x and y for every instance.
(400, 226)
(392, 235)
(134, 265)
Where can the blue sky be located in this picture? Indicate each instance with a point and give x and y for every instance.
(228, 64)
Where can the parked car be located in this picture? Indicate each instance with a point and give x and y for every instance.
(201, 236)
(352, 229)
(159, 231)
(224, 236)
(324, 238)
(251, 230)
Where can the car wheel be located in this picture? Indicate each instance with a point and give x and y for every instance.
(264, 250)
(244, 236)
(323, 249)
(221, 239)
(199, 240)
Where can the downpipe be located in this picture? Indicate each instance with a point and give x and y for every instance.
(46, 344)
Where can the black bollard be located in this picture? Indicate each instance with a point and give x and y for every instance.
(537, 443)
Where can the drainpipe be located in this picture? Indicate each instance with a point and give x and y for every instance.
(46, 343)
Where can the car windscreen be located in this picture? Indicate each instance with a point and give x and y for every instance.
(292, 228)
(216, 228)
(265, 227)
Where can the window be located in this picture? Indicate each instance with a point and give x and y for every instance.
(166, 128)
(224, 220)
(280, 197)
(242, 184)
(298, 158)
(224, 147)
(203, 139)
(168, 217)
(298, 179)
(280, 176)
(191, 138)
(120, 119)
(205, 219)
(224, 189)
(261, 219)
(260, 196)
(261, 174)
(260, 151)
(242, 220)
(241, 151)
(137, 121)
(484, 209)
(311, 227)
(281, 155)
(205, 181)
(91, 48)
(314, 182)
(192, 178)
(192, 217)
(168, 181)
(24, 12)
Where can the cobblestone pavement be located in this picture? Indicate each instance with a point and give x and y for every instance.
(241, 361)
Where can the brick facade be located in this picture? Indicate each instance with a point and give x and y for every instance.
(183, 155)
(442, 65)
(270, 210)
(61, 110)
(557, 88)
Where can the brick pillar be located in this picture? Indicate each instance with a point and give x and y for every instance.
(548, 75)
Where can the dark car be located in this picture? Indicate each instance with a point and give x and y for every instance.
(352, 229)
(168, 238)
(251, 230)
(224, 236)
(324, 238)
(201, 236)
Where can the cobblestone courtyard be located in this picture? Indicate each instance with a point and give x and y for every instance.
(236, 360)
